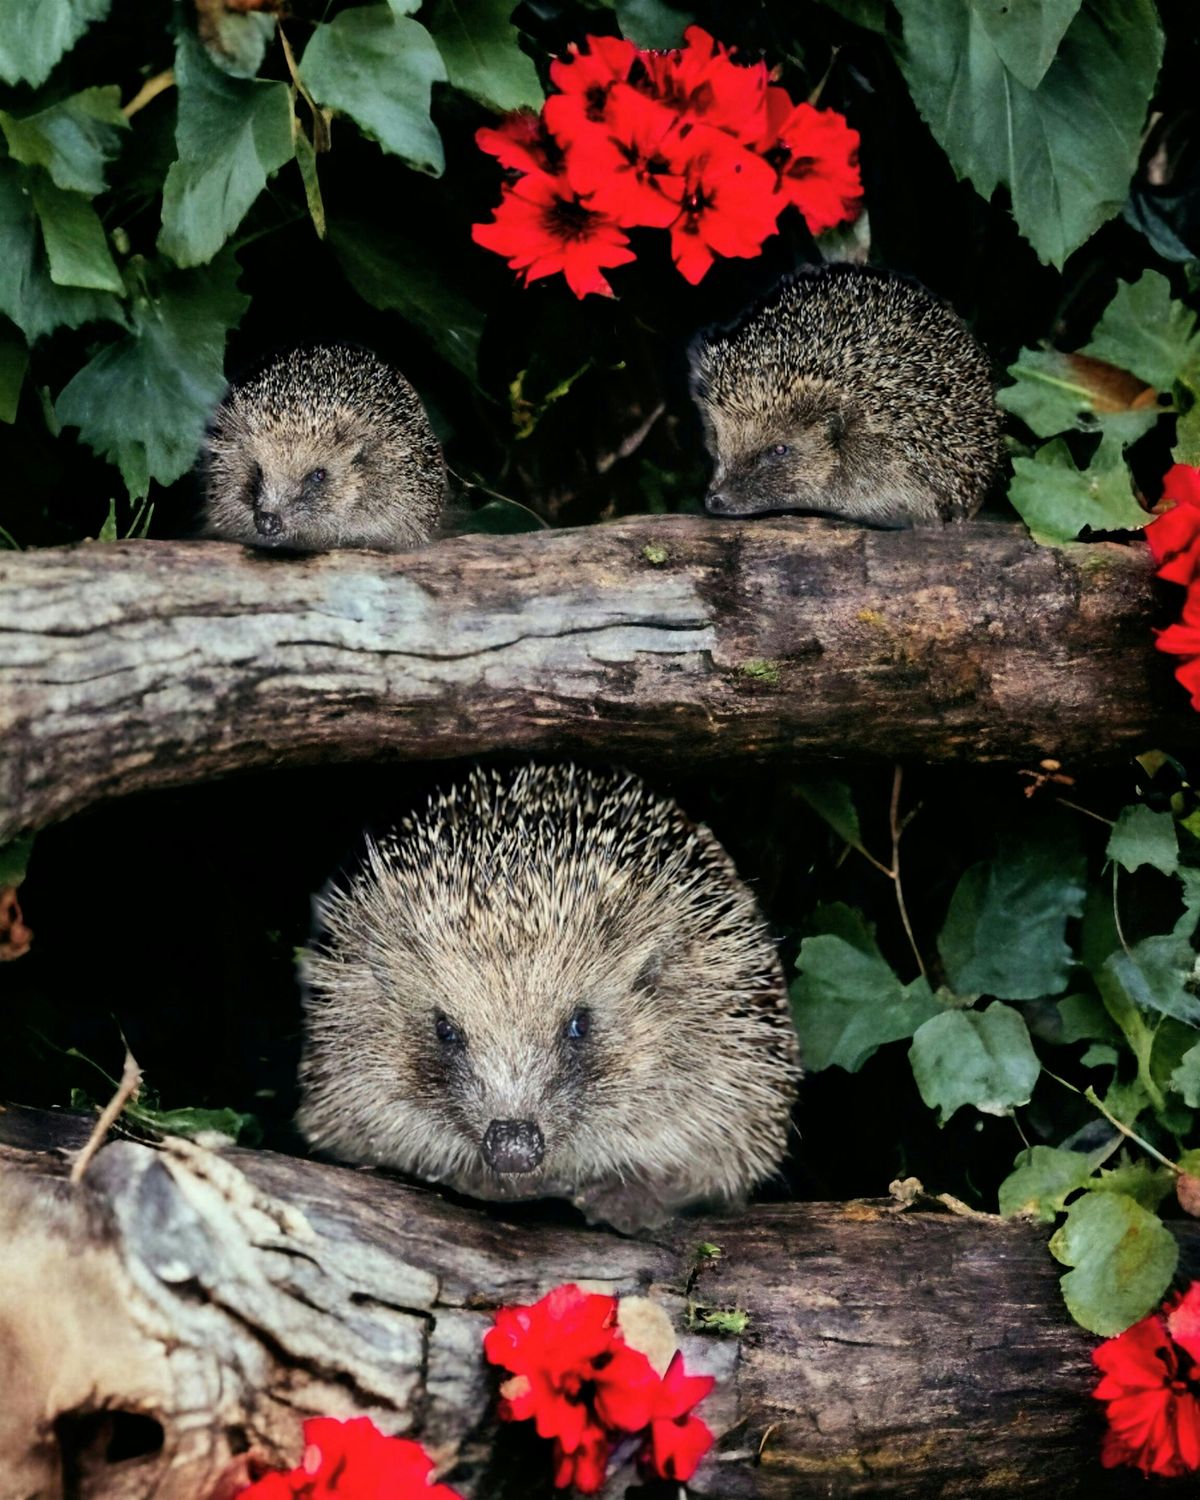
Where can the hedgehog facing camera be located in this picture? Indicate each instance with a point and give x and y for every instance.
(852, 392)
(550, 983)
(324, 447)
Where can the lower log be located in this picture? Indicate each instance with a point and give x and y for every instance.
(177, 1311)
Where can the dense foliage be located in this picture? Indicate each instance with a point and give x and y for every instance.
(185, 188)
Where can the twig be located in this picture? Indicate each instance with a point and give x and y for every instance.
(131, 1078)
(1094, 1099)
(149, 90)
(898, 828)
(320, 118)
(1086, 811)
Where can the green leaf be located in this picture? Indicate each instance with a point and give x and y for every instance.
(1057, 501)
(14, 860)
(34, 34)
(1055, 393)
(1138, 1180)
(76, 245)
(1185, 1079)
(1099, 1055)
(983, 1058)
(1144, 330)
(231, 135)
(380, 69)
(1123, 1257)
(1066, 150)
(1027, 33)
(236, 43)
(478, 44)
(871, 14)
(1004, 931)
(830, 799)
(191, 1122)
(1043, 1178)
(74, 140)
(14, 361)
(1144, 837)
(499, 517)
(306, 158)
(651, 23)
(1155, 975)
(403, 275)
(1187, 436)
(143, 401)
(847, 1002)
(1084, 1019)
(27, 294)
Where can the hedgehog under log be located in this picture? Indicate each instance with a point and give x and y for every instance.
(175, 1311)
(133, 665)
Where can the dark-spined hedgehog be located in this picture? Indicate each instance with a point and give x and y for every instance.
(551, 984)
(854, 392)
(326, 446)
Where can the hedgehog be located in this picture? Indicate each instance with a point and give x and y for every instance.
(326, 446)
(550, 983)
(852, 392)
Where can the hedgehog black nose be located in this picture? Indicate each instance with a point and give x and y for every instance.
(267, 523)
(513, 1145)
(716, 504)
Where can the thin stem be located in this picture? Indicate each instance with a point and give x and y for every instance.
(897, 830)
(1117, 912)
(149, 91)
(1086, 811)
(131, 1079)
(1094, 1099)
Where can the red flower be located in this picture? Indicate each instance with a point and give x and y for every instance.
(678, 1441)
(353, 1461)
(586, 1466)
(586, 79)
(816, 154)
(1152, 1386)
(700, 81)
(522, 143)
(1174, 536)
(621, 165)
(729, 205)
(541, 227)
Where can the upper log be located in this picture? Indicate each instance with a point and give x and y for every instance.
(141, 664)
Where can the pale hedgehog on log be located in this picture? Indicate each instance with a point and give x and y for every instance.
(551, 984)
(852, 392)
(326, 446)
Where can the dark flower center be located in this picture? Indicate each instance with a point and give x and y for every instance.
(568, 219)
(595, 101)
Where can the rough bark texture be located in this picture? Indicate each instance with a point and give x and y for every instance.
(225, 1298)
(135, 665)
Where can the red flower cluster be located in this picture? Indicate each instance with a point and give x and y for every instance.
(689, 141)
(582, 1384)
(353, 1461)
(1174, 539)
(1152, 1386)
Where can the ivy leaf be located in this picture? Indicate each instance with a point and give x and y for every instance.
(27, 294)
(1055, 393)
(478, 44)
(652, 23)
(1138, 1180)
(231, 134)
(1027, 35)
(1144, 330)
(76, 245)
(984, 1058)
(142, 401)
(1043, 1178)
(14, 361)
(1066, 150)
(1185, 1079)
(1144, 837)
(830, 799)
(380, 68)
(1124, 1258)
(847, 1002)
(34, 34)
(1153, 975)
(1057, 501)
(1004, 931)
(74, 140)
(402, 275)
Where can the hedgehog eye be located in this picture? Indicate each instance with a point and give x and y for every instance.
(315, 477)
(776, 450)
(579, 1025)
(447, 1032)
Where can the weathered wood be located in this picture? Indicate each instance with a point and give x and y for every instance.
(886, 1353)
(135, 665)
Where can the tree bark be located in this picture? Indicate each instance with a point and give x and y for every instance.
(225, 1297)
(134, 665)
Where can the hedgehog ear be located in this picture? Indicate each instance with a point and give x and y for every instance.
(647, 975)
(835, 428)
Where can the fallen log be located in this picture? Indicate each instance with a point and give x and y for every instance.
(134, 665)
(176, 1311)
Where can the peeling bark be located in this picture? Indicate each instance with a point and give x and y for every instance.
(134, 665)
(224, 1297)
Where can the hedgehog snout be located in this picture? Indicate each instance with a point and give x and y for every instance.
(267, 522)
(513, 1145)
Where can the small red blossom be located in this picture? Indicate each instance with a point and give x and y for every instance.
(816, 154)
(678, 1440)
(622, 167)
(729, 204)
(586, 78)
(1152, 1386)
(541, 227)
(522, 143)
(701, 81)
(353, 1461)
(1174, 536)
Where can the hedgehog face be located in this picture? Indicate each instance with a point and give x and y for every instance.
(788, 464)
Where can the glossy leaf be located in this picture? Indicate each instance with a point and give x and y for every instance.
(34, 34)
(74, 139)
(1142, 836)
(76, 245)
(1043, 1178)
(478, 43)
(1144, 330)
(1059, 501)
(14, 361)
(1123, 1257)
(982, 1058)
